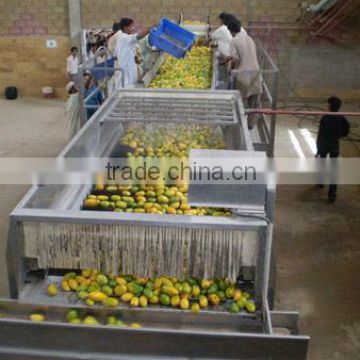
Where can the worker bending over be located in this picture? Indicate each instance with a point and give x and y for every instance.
(332, 128)
(244, 59)
(222, 36)
(125, 50)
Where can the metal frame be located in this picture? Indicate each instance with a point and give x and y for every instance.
(17, 337)
(55, 339)
(63, 211)
(264, 133)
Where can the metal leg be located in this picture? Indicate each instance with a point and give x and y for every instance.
(13, 259)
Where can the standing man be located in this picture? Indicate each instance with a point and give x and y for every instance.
(332, 128)
(125, 49)
(115, 81)
(73, 115)
(92, 55)
(111, 42)
(72, 65)
(244, 57)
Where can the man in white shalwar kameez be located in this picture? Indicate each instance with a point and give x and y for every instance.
(244, 55)
(125, 50)
(73, 113)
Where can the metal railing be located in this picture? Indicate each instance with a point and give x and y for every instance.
(264, 131)
(107, 78)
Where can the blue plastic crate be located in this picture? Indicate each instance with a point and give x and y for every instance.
(171, 38)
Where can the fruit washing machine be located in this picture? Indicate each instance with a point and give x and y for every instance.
(50, 233)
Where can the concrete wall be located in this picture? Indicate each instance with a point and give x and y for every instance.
(26, 62)
(147, 12)
(310, 67)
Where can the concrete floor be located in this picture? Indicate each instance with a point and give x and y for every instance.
(29, 128)
(317, 244)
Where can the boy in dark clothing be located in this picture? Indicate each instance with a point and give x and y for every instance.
(332, 128)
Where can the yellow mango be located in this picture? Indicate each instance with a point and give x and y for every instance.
(97, 296)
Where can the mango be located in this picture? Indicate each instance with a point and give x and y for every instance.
(135, 326)
(175, 301)
(203, 301)
(69, 276)
(186, 288)
(121, 281)
(184, 304)
(127, 297)
(110, 302)
(90, 203)
(234, 308)
(154, 300)
(65, 286)
(107, 290)
(205, 284)
(73, 284)
(195, 308)
(241, 303)
(135, 302)
(89, 302)
(214, 299)
(90, 320)
(237, 295)
(72, 314)
(97, 296)
(111, 320)
(250, 306)
(229, 292)
(196, 291)
(143, 301)
(170, 290)
(165, 299)
(37, 317)
(148, 293)
(86, 273)
(120, 290)
(52, 290)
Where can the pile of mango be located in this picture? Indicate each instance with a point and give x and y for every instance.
(164, 144)
(95, 288)
(146, 199)
(160, 141)
(74, 316)
(192, 72)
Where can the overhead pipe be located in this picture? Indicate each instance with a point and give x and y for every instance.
(322, 5)
(337, 16)
(295, 112)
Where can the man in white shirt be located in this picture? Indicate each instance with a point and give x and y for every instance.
(92, 55)
(125, 50)
(222, 36)
(72, 65)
